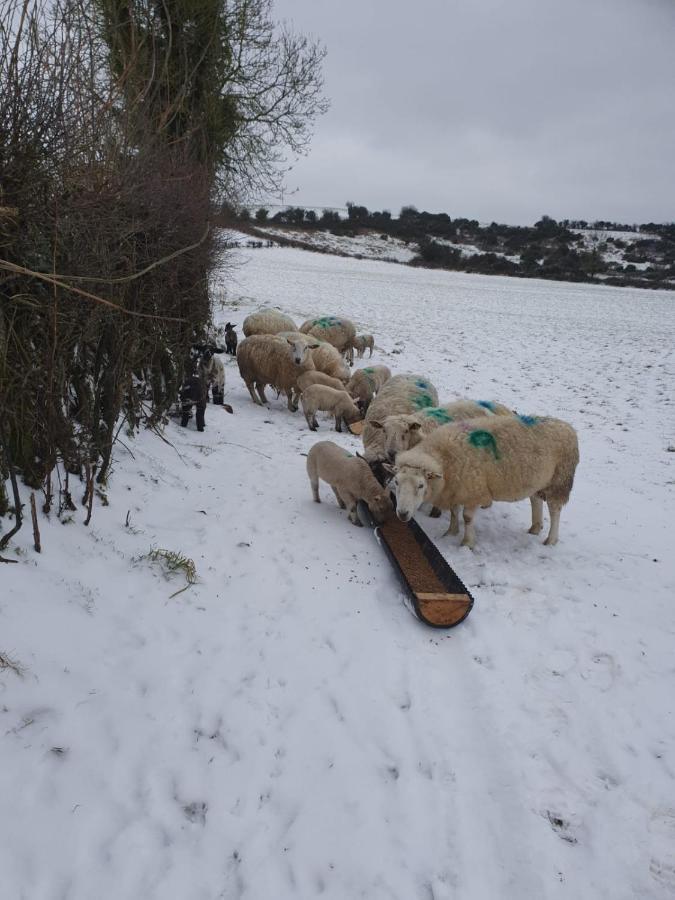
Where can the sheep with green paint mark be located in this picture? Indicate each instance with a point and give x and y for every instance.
(366, 383)
(335, 330)
(402, 394)
(402, 432)
(502, 458)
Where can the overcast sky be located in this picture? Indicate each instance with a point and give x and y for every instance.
(494, 109)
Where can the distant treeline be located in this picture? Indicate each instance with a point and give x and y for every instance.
(548, 249)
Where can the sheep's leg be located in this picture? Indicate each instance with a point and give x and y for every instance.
(309, 416)
(218, 395)
(554, 514)
(314, 483)
(185, 418)
(249, 385)
(436, 514)
(537, 514)
(454, 521)
(201, 409)
(371, 351)
(341, 502)
(338, 422)
(294, 399)
(260, 388)
(469, 539)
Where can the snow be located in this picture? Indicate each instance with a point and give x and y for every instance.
(285, 728)
(367, 245)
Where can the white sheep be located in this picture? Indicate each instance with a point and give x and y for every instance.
(316, 377)
(366, 383)
(267, 321)
(213, 372)
(502, 458)
(362, 342)
(328, 360)
(404, 431)
(320, 397)
(336, 331)
(400, 394)
(267, 359)
(350, 478)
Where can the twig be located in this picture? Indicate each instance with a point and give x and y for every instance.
(126, 278)
(22, 270)
(3, 560)
(36, 529)
(91, 473)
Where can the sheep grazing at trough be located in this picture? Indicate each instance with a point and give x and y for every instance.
(268, 359)
(338, 332)
(502, 458)
(403, 432)
(267, 321)
(402, 394)
(350, 478)
(319, 397)
(230, 339)
(366, 383)
(316, 377)
(363, 342)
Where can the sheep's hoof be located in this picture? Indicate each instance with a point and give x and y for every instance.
(535, 529)
(550, 542)
(435, 513)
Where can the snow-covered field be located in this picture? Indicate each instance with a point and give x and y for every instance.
(285, 728)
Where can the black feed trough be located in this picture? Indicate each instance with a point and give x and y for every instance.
(437, 596)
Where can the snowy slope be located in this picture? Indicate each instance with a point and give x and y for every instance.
(285, 728)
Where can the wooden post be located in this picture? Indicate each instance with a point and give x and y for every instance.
(36, 530)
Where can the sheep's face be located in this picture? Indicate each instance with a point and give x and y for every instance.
(413, 487)
(300, 351)
(400, 433)
(380, 506)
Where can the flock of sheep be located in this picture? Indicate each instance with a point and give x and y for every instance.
(459, 455)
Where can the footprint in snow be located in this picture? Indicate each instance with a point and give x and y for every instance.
(662, 863)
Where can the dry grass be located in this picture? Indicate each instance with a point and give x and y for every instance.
(175, 561)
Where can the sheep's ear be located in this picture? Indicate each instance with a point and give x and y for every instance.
(314, 345)
(414, 426)
(376, 424)
(431, 475)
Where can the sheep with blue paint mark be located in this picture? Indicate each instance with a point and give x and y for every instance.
(502, 458)
(366, 383)
(404, 431)
(402, 394)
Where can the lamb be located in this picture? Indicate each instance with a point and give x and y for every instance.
(213, 371)
(365, 383)
(350, 478)
(327, 399)
(230, 339)
(400, 394)
(205, 371)
(338, 332)
(315, 377)
(503, 458)
(404, 431)
(267, 321)
(363, 341)
(267, 359)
